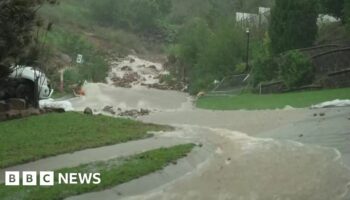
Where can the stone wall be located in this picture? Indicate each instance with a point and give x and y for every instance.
(16, 109)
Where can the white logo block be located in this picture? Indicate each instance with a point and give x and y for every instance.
(29, 178)
(12, 178)
(47, 178)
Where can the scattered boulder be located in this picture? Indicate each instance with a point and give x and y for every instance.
(127, 80)
(322, 114)
(153, 67)
(88, 111)
(109, 109)
(132, 60)
(129, 113)
(135, 113)
(119, 82)
(126, 68)
(144, 112)
(131, 77)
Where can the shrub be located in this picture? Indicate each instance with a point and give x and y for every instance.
(347, 14)
(265, 68)
(293, 24)
(296, 69)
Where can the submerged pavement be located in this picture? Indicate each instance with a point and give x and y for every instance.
(95, 155)
(294, 154)
(262, 155)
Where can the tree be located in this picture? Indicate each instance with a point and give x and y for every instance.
(347, 13)
(218, 57)
(18, 19)
(193, 37)
(333, 7)
(293, 24)
(296, 69)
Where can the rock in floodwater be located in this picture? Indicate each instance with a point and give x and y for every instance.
(88, 111)
(135, 113)
(126, 68)
(109, 109)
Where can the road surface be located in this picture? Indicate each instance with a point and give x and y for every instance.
(295, 154)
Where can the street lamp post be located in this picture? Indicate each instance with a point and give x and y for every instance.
(248, 40)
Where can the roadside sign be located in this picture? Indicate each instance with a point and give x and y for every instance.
(80, 59)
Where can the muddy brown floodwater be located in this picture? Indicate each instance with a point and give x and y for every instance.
(249, 155)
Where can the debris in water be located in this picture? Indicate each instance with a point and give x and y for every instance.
(126, 68)
(52, 104)
(135, 113)
(135, 72)
(109, 109)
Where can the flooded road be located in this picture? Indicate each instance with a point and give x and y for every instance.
(260, 169)
(248, 158)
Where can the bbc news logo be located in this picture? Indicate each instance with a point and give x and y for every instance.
(47, 178)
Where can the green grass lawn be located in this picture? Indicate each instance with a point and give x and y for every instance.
(113, 173)
(273, 101)
(42, 136)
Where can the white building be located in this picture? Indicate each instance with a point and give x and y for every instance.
(246, 19)
(253, 19)
(262, 18)
(326, 19)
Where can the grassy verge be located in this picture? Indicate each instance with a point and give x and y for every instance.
(274, 101)
(113, 173)
(34, 138)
